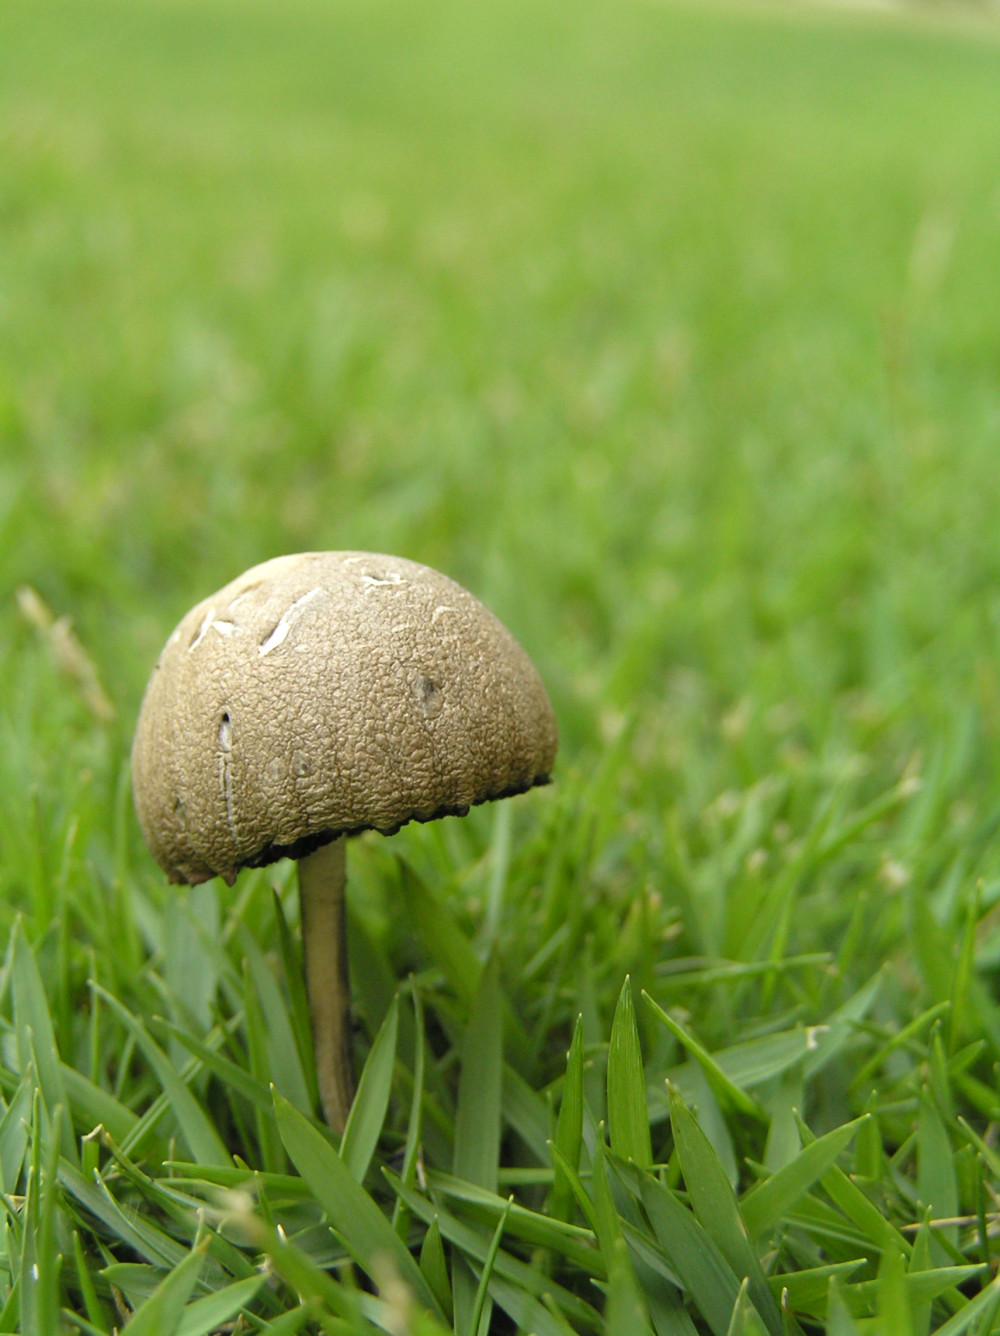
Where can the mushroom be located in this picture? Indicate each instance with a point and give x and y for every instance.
(316, 696)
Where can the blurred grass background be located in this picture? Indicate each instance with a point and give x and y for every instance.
(666, 329)
(670, 330)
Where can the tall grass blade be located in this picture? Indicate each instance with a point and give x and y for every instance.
(715, 1207)
(36, 1040)
(434, 1268)
(480, 1313)
(203, 1141)
(766, 1203)
(215, 1311)
(569, 1126)
(746, 1321)
(724, 1088)
(160, 1315)
(282, 1051)
(358, 1221)
(477, 1120)
(628, 1116)
(699, 1266)
(367, 1115)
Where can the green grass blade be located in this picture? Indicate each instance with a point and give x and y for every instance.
(839, 1321)
(414, 1126)
(766, 1203)
(936, 1183)
(434, 1267)
(746, 1321)
(569, 1125)
(442, 938)
(36, 1040)
(282, 1051)
(313, 1286)
(527, 1113)
(828, 1040)
(756, 1061)
(85, 1281)
(973, 1310)
(233, 1075)
(161, 1313)
(531, 1316)
(211, 1313)
(628, 1116)
(38, 1263)
(894, 1315)
(293, 969)
(203, 1141)
(699, 1266)
(472, 1242)
(480, 1314)
(14, 1135)
(714, 1205)
(533, 1227)
(272, 1154)
(583, 1199)
(365, 1231)
(141, 1236)
(722, 1086)
(625, 1313)
(92, 1105)
(367, 1116)
(292, 1322)
(477, 1121)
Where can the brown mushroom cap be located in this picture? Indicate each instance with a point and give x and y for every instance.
(327, 693)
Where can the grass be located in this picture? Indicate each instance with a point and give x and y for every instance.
(669, 331)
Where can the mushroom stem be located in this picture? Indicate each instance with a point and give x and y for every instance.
(324, 943)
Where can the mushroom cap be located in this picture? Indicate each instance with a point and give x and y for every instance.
(323, 694)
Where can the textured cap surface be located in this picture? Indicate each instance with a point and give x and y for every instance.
(327, 693)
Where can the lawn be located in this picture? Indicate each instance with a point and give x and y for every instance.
(671, 331)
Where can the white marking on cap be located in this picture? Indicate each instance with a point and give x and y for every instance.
(279, 633)
(202, 630)
(372, 581)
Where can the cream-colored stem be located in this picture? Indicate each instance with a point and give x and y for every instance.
(324, 943)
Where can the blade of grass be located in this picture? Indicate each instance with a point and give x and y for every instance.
(746, 1321)
(161, 1313)
(294, 974)
(272, 1154)
(434, 1267)
(471, 1241)
(628, 1117)
(480, 1313)
(477, 1118)
(722, 1086)
(569, 1125)
(367, 1115)
(202, 1139)
(36, 1038)
(283, 1055)
(715, 1206)
(400, 1217)
(694, 1259)
(764, 1205)
(214, 1311)
(358, 1221)
(14, 1134)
